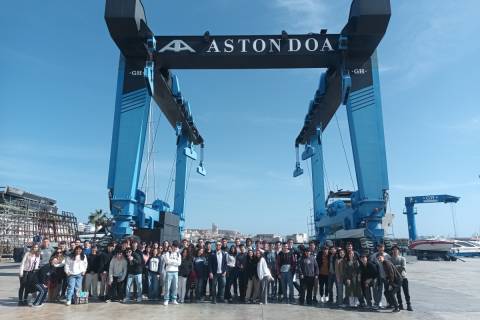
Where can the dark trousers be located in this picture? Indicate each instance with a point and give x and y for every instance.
(242, 284)
(323, 285)
(367, 287)
(218, 280)
(406, 293)
(116, 290)
(41, 291)
(231, 276)
(26, 285)
(199, 288)
(306, 287)
(390, 294)
(331, 283)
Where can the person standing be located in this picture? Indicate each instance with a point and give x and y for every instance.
(332, 256)
(285, 270)
(308, 272)
(401, 263)
(393, 280)
(264, 275)
(117, 272)
(199, 269)
(241, 264)
(340, 277)
(153, 269)
(323, 266)
(75, 268)
(57, 277)
(380, 285)
(351, 269)
(231, 274)
(28, 267)
(91, 277)
(172, 261)
(46, 252)
(134, 270)
(105, 259)
(217, 268)
(252, 277)
(183, 272)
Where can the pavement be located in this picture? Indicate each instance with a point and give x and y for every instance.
(439, 290)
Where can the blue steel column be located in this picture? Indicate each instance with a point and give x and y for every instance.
(412, 226)
(318, 184)
(364, 110)
(130, 123)
(180, 181)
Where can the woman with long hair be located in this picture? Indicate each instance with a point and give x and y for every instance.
(28, 267)
(183, 273)
(231, 272)
(199, 267)
(58, 275)
(75, 268)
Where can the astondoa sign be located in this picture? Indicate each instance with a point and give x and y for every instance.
(232, 52)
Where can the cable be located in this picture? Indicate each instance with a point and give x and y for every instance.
(170, 179)
(345, 152)
(152, 145)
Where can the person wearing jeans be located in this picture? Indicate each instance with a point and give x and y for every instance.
(217, 267)
(75, 268)
(286, 270)
(172, 261)
(153, 268)
(135, 269)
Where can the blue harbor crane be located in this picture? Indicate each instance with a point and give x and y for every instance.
(410, 202)
(144, 72)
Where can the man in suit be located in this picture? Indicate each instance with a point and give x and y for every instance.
(217, 266)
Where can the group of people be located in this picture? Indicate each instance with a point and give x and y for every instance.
(250, 272)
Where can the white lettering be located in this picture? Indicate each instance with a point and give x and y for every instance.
(327, 44)
(255, 47)
(244, 44)
(291, 46)
(176, 46)
(213, 46)
(275, 43)
(308, 44)
(228, 45)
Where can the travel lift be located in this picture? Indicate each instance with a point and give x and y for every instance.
(144, 72)
(353, 215)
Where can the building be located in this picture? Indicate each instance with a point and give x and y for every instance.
(25, 216)
(298, 237)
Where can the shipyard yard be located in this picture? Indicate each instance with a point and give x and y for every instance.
(439, 290)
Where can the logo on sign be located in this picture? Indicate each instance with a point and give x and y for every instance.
(177, 46)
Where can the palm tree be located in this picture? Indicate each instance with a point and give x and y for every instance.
(99, 219)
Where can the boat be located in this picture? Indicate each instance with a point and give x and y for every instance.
(432, 249)
(463, 248)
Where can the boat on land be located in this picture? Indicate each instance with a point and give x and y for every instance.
(444, 249)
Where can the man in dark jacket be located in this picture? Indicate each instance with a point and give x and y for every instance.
(217, 268)
(286, 264)
(240, 266)
(134, 270)
(368, 275)
(393, 280)
(105, 259)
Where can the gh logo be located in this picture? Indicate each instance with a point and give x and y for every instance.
(177, 46)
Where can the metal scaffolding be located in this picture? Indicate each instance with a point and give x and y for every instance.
(25, 217)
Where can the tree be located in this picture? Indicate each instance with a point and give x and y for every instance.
(99, 219)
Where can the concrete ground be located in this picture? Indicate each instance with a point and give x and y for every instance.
(439, 290)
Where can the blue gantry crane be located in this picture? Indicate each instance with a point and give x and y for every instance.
(410, 203)
(352, 79)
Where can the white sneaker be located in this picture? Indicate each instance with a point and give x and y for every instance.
(174, 302)
(68, 303)
(165, 303)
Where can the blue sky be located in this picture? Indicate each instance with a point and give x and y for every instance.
(57, 91)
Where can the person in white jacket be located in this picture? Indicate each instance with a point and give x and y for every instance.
(75, 268)
(264, 275)
(30, 264)
(173, 260)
